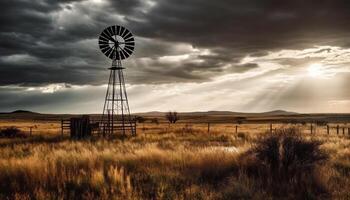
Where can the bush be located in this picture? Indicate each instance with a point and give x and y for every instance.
(11, 132)
(288, 163)
(321, 123)
(172, 117)
(240, 120)
(140, 119)
(155, 121)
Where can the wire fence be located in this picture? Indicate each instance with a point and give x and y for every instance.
(61, 127)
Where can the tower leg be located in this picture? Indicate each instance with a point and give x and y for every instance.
(116, 112)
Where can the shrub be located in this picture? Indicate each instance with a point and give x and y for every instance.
(11, 132)
(155, 121)
(240, 120)
(321, 123)
(140, 119)
(287, 162)
(172, 117)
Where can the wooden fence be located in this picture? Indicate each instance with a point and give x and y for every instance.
(80, 127)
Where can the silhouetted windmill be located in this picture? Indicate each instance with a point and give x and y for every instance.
(117, 43)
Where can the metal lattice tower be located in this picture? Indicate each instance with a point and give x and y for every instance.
(117, 43)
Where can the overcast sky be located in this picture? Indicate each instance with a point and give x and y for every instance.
(190, 55)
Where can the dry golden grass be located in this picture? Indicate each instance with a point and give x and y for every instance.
(162, 162)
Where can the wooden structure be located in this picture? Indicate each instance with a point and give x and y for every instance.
(81, 127)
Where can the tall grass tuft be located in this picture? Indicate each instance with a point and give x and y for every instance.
(287, 163)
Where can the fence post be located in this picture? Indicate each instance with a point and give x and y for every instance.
(338, 129)
(135, 123)
(327, 129)
(61, 127)
(311, 128)
(236, 129)
(349, 131)
(208, 127)
(343, 131)
(30, 131)
(271, 128)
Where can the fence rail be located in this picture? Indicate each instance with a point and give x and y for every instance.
(95, 126)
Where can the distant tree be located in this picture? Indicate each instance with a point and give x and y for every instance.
(155, 121)
(140, 119)
(240, 120)
(172, 117)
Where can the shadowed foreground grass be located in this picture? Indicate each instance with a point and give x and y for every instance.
(178, 165)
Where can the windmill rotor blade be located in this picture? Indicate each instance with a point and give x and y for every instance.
(107, 32)
(110, 30)
(128, 51)
(101, 42)
(123, 56)
(126, 54)
(115, 30)
(130, 39)
(102, 46)
(118, 30)
(114, 53)
(131, 48)
(129, 43)
(111, 53)
(105, 35)
(108, 51)
(125, 33)
(105, 49)
(103, 39)
(108, 37)
(122, 29)
(127, 36)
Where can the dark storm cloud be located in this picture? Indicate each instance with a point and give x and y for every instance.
(58, 36)
(247, 25)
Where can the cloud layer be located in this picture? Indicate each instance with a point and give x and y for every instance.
(45, 43)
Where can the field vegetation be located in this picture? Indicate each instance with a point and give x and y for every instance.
(177, 161)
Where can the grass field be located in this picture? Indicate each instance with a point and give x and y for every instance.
(178, 161)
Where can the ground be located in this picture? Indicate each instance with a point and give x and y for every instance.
(164, 161)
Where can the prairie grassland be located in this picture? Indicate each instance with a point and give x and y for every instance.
(163, 162)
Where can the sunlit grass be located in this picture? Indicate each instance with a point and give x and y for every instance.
(162, 162)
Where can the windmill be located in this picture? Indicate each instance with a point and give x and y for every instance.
(117, 43)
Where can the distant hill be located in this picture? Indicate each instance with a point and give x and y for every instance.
(279, 112)
(274, 112)
(275, 116)
(23, 112)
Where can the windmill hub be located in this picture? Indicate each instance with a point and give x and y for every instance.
(117, 43)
